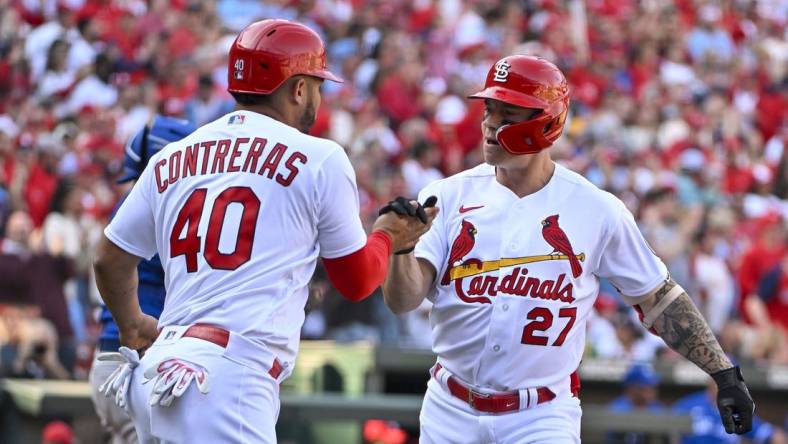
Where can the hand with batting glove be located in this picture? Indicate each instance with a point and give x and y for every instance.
(117, 384)
(734, 401)
(417, 220)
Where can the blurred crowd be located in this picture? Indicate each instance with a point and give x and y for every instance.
(678, 107)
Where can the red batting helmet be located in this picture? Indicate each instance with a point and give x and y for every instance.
(268, 52)
(529, 82)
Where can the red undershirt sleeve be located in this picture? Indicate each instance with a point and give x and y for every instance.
(358, 274)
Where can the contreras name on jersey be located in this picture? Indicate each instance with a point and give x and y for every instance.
(253, 156)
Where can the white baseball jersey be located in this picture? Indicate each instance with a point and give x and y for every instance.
(511, 311)
(239, 212)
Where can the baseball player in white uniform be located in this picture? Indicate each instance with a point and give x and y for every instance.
(239, 212)
(512, 265)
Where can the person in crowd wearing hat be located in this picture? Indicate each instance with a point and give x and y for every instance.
(640, 393)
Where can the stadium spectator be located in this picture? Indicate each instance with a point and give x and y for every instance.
(768, 309)
(94, 91)
(640, 393)
(28, 346)
(420, 169)
(57, 79)
(63, 234)
(764, 254)
(32, 277)
(708, 40)
(707, 426)
(712, 282)
(668, 229)
(208, 105)
(40, 39)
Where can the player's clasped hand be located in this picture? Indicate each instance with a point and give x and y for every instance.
(171, 377)
(405, 221)
(117, 384)
(140, 334)
(734, 401)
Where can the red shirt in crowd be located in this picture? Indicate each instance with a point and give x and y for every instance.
(771, 112)
(8, 165)
(758, 260)
(398, 100)
(737, 180)
(586, 86)
(38, 193)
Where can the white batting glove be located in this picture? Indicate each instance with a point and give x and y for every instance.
(173, 377)
(118, 383)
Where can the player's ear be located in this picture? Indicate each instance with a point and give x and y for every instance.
(299, 91)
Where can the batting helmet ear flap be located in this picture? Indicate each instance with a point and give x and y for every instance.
(536, 134)
(519, 138)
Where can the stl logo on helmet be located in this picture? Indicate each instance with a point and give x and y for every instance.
(238, 66)
(501, 71)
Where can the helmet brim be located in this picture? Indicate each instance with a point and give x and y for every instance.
(327, 75)
(509, 96)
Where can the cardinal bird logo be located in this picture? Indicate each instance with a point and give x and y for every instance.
(461, 246)
(557, 239)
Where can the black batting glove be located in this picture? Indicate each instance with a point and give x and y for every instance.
(401, 205)
(734, 401)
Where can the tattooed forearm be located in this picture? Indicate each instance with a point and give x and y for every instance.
(683, 328)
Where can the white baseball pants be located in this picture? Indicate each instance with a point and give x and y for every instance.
(241, 406)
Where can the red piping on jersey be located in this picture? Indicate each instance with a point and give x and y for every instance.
(358, 274)
(640, 316)
(574, 384)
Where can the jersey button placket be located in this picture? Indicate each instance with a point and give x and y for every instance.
(499, 335)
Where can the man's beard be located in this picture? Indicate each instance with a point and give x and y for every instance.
(308, 117)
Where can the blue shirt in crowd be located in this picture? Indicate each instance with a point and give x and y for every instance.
(707, 424)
